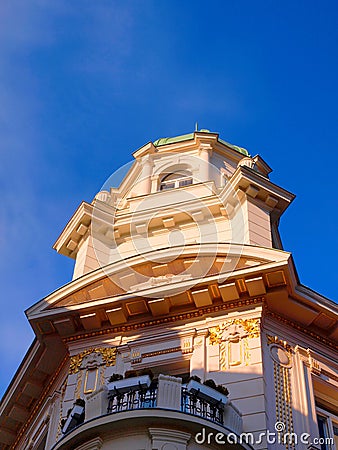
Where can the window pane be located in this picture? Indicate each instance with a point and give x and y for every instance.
(335, 432)
(323, 431)
(165, 186)
(185, 182)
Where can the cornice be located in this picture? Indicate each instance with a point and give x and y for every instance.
(260, 187)
(167, 320)
(296, 326)
(272, 257)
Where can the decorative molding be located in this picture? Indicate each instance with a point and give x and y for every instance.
(165, 320)
(135, 356)
(275, 340)
(161, 352)
(313, 364)
(282, 384)
(328, 374)
(108, 356)
(281, 354)
(187, 345)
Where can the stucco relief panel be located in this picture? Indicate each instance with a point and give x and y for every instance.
(232, 341)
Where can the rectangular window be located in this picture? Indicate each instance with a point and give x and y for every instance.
(335, 433)
(185, 182)
(323, 431)
(165, 186)
(327, 429)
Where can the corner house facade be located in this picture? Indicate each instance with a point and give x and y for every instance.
(185, 325)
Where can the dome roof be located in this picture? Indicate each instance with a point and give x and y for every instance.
(186, 137)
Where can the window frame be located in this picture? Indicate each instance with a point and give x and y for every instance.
(331, 423)
(182, 180)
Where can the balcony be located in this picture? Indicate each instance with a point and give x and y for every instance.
(168, 392)
(139, 403)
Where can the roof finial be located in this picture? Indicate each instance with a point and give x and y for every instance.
(196, 126)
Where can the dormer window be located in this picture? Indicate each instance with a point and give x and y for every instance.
(175, 180)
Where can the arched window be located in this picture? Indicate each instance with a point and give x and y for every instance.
(176, 179)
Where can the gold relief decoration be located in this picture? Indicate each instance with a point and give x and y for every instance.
(78, 386)
(161, 352)
(108, 355)
(233, 337)
(187, 345)
(234, 353)
(135, 356)
(251, 327)
(275, 340)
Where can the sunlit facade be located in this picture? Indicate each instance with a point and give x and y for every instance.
(185, 325)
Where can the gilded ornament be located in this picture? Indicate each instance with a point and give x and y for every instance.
(250, 326)
(275, 340)
(108, 355)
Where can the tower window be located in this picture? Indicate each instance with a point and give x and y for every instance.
(175, 180)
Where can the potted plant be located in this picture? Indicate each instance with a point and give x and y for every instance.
(223, 390)
(131, 382)
(115, 377)
(130, 374)
(210, 383)
(196, 378)
(207, 391)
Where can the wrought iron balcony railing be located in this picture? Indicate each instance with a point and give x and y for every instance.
(144, 398)
(192, 404)
(147, 398)
(167, 393)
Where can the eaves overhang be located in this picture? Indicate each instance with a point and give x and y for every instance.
(30, 388)
(260, 188)
(270, 280)
(74, 231)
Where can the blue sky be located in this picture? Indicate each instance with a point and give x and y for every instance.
(85, 83)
